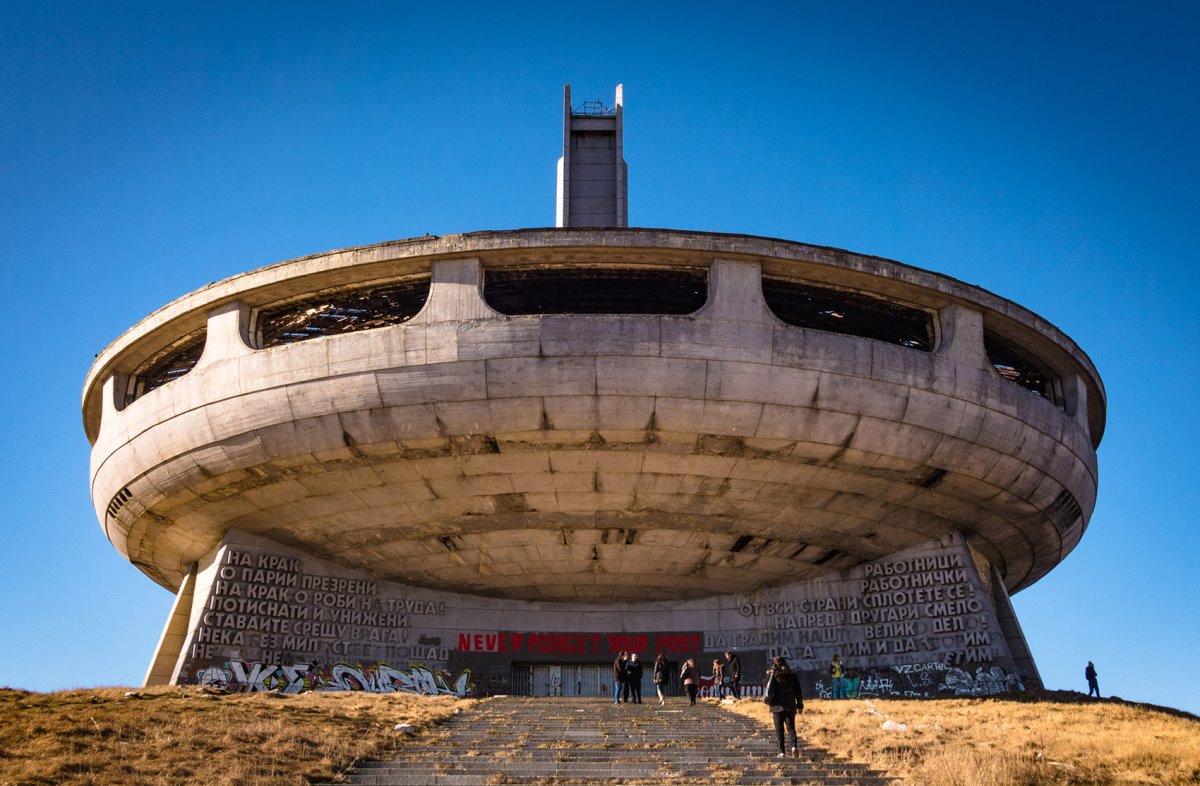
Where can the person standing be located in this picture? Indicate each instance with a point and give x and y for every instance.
(618, 678)
(783, 696)
(633, 678)
(835, 674)
(1090, 674)
(718, 677)
(660, 676)
(690, 675)
(733, 670)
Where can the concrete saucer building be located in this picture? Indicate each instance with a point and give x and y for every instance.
(488, 462)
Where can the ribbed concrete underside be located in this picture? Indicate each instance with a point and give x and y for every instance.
(692, 515)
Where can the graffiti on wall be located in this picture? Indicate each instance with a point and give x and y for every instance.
(243, 677)
(983, 683)
(711, 689)
(924, 680)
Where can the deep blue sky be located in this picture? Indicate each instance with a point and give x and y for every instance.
(1046, 152)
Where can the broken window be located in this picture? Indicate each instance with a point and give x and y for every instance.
(344, 311)
(851, 313)
(596, 291)
(1018, 366)
(165, 365)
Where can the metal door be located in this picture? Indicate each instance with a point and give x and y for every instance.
(592, 680)
(554, 679)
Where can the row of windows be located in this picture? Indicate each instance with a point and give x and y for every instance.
(594, 291)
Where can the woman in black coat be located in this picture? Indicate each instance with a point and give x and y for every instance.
(784, 697)
(661, 677)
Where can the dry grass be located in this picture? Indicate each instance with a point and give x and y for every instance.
(1054, 739)
(188, 735)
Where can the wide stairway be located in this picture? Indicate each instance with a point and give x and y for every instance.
(509, 740)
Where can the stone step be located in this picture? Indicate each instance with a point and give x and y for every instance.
(767, 762)
(723, 778)
(616, 756)
(699, 756)
(624, 771)
(590, 741)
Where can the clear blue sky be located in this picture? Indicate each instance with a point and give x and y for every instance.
(1044, 151)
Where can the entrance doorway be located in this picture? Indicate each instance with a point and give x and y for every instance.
(562, 679)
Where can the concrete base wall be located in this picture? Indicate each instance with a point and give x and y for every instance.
(922, 622)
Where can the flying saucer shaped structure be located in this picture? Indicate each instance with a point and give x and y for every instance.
(590, 432)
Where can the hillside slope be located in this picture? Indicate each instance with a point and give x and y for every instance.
(1051, 737)
(110, 736)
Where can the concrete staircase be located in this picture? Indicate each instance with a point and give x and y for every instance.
(509, 740)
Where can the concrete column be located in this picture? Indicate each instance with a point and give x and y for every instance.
(116, 387)
(735, 293)
(113, 399)
(455, 293)
(562, 202)
(960, 336)
(1010, 627)
(227, 335)
(622, 169)
(1076, 399)
(170, 645)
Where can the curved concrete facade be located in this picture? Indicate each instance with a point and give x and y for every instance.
(594, 459)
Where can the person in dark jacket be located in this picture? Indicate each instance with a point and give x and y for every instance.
(633, 678)
(690, 676)
(784, 697)
(733, 670)
(661, 677)
(619, 684)
(1090, 675)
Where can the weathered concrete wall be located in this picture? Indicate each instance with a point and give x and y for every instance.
(444, 504)
(921, 622)
(577, 457)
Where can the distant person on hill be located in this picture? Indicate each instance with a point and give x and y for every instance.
(1090, 674)
(733, 670)
(633, 678)
(619, 684)
(783, 696)
(661, 677)
(690, 675)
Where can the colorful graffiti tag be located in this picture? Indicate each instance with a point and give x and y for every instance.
(243, 677)
(925, 680)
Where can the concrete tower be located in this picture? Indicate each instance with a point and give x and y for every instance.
(592, 188)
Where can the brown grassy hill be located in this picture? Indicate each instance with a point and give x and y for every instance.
(1059, 737)
(105, 737)
(111, 736)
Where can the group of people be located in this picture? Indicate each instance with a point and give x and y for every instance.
(726, 677)
(628, 672)
(627, 678)
(782, 692)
